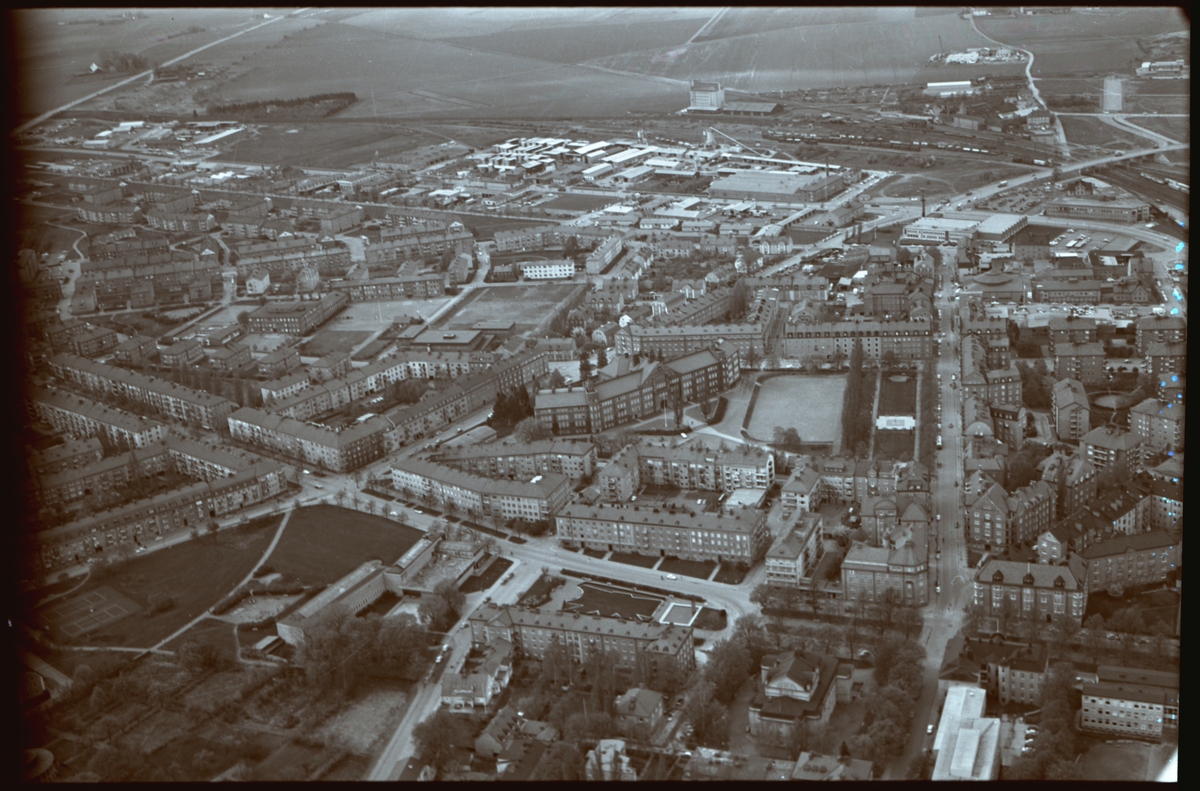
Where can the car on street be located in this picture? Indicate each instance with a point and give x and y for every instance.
(672, 577)
(418, 511)
(937, 588)
(929, 728)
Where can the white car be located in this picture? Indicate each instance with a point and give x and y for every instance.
(672, 577)
(929, 728)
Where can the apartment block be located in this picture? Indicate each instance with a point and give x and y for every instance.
(534, 631)
(1071, 409)
(176, 401)
(574, 458)
(533, 500)
(739, 536)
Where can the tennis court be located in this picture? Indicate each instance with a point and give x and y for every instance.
(87, 612)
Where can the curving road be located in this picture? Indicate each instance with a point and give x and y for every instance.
(150, 73)
(1037, 96)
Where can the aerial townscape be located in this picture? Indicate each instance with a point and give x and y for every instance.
(599, 394)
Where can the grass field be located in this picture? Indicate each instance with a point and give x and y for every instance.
(49, 55)
(780, 397)
(700, 569)
(210, 631)
(1085, 131)
(525, 305)
(578, 43)
(1116, 762)
(894, 445)
(580, 203)
(787, 49)
(488, 578)
(397, 75)
(329, 144)
(730, 575)
(633, 559)
(330, 341)
(323, 543)
(1175, 128)
(196, 574)
(1075, 43)
(898, 398)
(1157, 103)
(613, 602)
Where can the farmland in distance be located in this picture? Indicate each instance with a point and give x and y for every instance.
(400, 76)
(1083, 42)
(864, 53)
(50, 55)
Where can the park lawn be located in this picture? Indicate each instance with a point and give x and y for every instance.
(196, 574)
(894, 445)
(595, 553)
(731, 575)
(713, 620)
(691, 568)
(898, 398)
(488, 578)
(328, 342)
(323, 543)
(633, 559)
(1085, 131)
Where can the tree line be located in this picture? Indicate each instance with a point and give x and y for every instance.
(346, 98)
(856, 432)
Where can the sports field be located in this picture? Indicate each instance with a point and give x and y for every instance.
(193, 574)
(810, 404)
(323, 543)
(524, 305)
(87, 612)
(577, 202)
(332, 341)
(609, 601)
